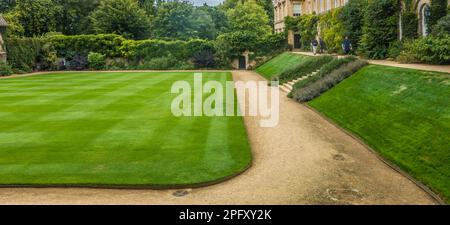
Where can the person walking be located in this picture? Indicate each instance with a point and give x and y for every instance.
(314, 45)
(323, 46)
(347, 45)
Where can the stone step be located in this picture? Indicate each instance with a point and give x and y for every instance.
(285, 89)
(288, 86)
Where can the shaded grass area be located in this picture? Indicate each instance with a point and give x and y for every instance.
(112, 129)
(277, 65)
(403, 114)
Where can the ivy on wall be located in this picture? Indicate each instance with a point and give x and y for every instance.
(332, 30)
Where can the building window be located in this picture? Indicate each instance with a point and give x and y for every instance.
(297, 9)
(329, 5)
(337, 3)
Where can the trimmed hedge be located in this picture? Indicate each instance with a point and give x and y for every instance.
(26, 54)
(106, 44)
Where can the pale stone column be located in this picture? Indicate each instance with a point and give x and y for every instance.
(2, 50)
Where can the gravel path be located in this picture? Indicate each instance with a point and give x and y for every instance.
(304, 160)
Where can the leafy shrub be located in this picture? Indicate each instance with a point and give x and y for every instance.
(204, 59)
(47, 59)
(307, 66)
(77, 62)
(325, 83)
(395, 49)
(23, 53)
(96, 60)
(5, 69)
(324, 71)
(430, 49)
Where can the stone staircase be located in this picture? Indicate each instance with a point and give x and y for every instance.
(288, 86)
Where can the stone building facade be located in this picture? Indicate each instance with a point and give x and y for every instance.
(3, 25)
(294, 8)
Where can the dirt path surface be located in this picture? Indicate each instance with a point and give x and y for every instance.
(304, 160)
(426, 67)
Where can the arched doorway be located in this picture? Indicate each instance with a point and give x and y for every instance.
(424, 18)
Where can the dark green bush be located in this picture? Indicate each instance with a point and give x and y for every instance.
(96, 60)
(77, 62)
(307, 66)
(5, 69)
(395, 49)
(325, 83)
(24, 53)
(204, 59)
(271, 45)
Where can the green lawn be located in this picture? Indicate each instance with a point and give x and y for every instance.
(276, 65)
(112, 129)
(403, 114)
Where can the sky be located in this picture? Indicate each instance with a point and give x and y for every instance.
(209, 2)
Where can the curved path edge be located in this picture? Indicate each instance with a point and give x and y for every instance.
(304, 160)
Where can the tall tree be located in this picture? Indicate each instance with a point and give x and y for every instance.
(249, 17)
(73, 17)
(172, 20)
(266, 4)
(123, 17)
(218, 16)
(202, 24)
(37, 17)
